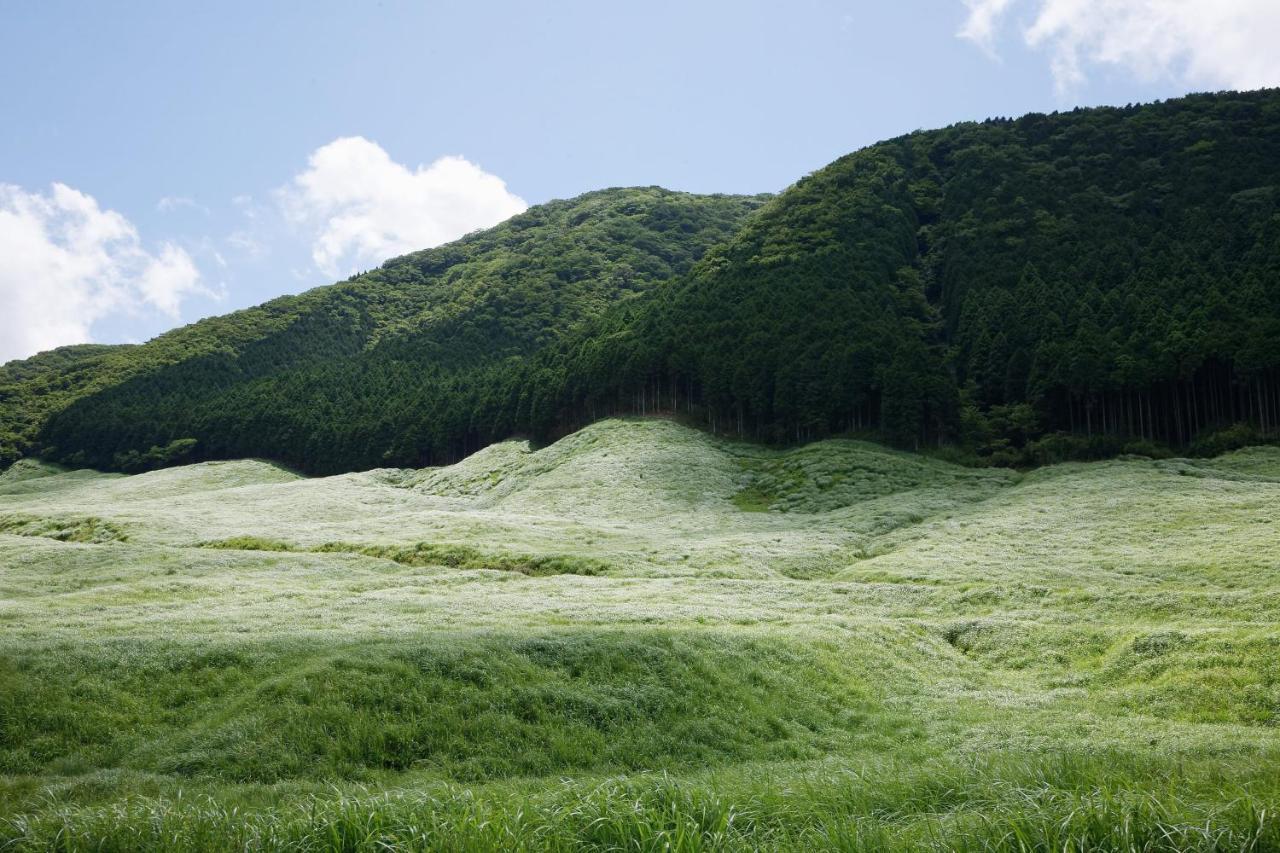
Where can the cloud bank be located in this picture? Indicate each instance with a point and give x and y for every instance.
(363, 207)
(1207, 43)
(65, 263)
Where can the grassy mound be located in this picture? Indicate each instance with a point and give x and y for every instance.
(28, 469)
(465, 706)
(636, 468)
(829, 475)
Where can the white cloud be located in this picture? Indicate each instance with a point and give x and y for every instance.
(980, 26)
(170, 203)
(1209, 43)
(66, 263)
(167, 278)
(245, 243)
(364, 207)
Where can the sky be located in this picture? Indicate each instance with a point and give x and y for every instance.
(164, 161)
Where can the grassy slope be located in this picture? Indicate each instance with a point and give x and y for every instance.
(894, 652)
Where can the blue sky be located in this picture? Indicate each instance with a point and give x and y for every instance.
(160, 162)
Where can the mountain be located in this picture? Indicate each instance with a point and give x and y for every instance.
(1055, 285)
(283, 379)
(31, 389)
(1072, 285)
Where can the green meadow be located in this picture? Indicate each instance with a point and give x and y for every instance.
(644, 637)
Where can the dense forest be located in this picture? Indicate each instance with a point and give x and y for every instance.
(1056, 286)
(289, 372)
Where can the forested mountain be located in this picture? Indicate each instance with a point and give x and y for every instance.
(33, 388)
(1074, 284)
(1050, 286)
(279, 379)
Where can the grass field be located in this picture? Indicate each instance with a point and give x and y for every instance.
(644, 638)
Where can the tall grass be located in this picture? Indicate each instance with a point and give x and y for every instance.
(889, 653)
(1107, 802)
(464, 706)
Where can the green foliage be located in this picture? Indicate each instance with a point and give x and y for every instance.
(466, 557)
(1233, 437)
(32, 389)
(174, 453)
(428, 554)
(92, 530)
(248, 543)
(752, 499)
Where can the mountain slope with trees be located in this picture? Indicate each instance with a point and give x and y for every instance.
(1054, 286)
(490, 296)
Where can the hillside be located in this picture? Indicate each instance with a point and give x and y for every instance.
(1051, 287)
(1035, 289)
(297, 366)
(643, 631)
